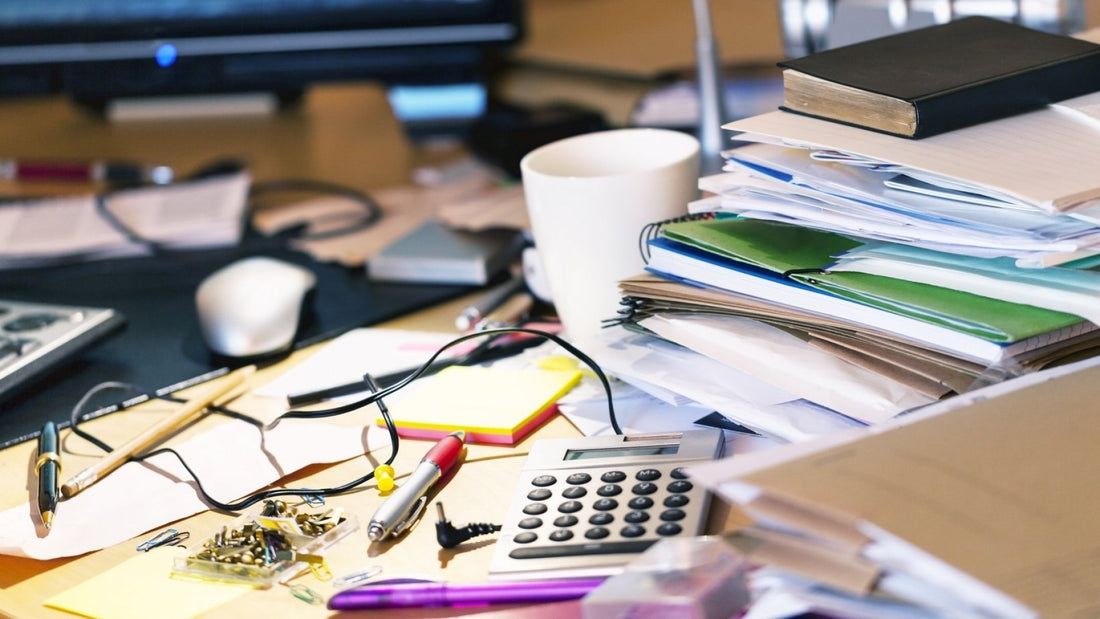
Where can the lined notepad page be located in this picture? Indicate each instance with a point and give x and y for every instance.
(1045, 158)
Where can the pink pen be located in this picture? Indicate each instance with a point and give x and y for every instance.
(84, 171)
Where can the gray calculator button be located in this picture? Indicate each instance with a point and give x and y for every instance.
(544, 480)
(578, 479)
(636, 516)
(574, 492)
(525, 538)
(679, 473)
(676, 500)
(609, 490)
(561, 535)
(567, 520)
(613, 477)
(597, 533)
(647, 475)
(570, 507)
(530, 523)
(632, 530)
(539, 494)
(669, 528)
(569, 550)
(30, 322)
(535, 509)
(644, 487)
(640, 502)
(672, 514)
(600, 518)
(680, 485)
(605, 505)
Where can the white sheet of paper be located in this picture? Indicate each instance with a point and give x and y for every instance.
(353, 354)
(139, 497)
(204, 213)
(787, 362)
(1045, 158)
(646, 362)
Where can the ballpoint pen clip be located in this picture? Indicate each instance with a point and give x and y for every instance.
(410, 517)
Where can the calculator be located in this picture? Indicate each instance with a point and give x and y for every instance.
(587, 506)
(36, 337)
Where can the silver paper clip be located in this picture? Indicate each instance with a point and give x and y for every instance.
(167, 537)
(356, 578)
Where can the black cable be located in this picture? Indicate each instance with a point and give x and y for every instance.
(374, 398)
(316, 414)
(75, 414)
(372, 212)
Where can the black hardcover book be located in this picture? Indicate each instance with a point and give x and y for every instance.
(931, 80)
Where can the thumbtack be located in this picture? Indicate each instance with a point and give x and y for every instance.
(383, 475)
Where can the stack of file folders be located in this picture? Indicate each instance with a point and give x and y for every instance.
(872, 274)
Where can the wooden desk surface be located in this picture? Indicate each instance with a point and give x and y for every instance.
(339, 133)
(344, 134)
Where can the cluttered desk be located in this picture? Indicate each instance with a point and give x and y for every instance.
(852, 377)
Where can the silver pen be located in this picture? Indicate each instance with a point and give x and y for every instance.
(486, 303)
(405, 505)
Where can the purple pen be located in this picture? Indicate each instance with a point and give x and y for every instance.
(462, 594)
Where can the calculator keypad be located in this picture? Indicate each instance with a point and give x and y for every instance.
(624, 509)
(587, 506)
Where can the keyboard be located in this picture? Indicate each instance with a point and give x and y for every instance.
(37, 337)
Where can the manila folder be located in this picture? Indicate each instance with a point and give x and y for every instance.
(1005, 488)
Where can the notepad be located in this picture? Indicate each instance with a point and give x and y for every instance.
(141, 587)
(492, 405)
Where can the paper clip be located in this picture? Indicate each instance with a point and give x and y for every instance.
(167, 537)
(355, 578)
(321, 571)
(314, 500)
(307, 595)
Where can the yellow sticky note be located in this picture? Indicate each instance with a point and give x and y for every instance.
(142, 587)
(492, 405)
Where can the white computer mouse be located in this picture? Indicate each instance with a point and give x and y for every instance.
(252, 307)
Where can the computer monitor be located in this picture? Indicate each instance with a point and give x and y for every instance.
(98, 51)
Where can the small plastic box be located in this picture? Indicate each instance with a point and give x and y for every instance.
(685, 578)
(291, 548)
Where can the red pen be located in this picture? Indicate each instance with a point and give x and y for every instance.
(403, 507)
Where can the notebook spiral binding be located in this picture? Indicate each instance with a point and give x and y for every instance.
(652, 230)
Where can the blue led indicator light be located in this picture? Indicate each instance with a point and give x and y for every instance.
(166, 55)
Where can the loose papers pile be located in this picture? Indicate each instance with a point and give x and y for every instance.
(873, 275)
(898, 284)
(202, 213)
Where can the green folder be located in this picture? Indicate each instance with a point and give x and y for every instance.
(804, 254)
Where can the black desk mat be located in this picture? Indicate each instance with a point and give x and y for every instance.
(160, 344)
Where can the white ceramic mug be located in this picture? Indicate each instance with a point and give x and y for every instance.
(588, 198)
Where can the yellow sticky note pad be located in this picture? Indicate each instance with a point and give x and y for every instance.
(491, 405)
(142, 587)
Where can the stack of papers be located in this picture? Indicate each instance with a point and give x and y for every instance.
(873, 275)
(981, 506)
(194, 214)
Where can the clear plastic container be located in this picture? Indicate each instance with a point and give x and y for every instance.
(684, 578)
(265, 549)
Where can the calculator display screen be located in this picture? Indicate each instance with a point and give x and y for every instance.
(621, 452)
